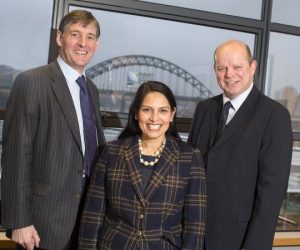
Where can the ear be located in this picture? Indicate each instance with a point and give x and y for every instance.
(173, 114)
(59, 38)
(253, 67)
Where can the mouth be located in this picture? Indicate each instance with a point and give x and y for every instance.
(154, 126)
(232, 82)
(80, 52)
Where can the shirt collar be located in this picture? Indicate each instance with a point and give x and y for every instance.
(70, 74)
(238, 100)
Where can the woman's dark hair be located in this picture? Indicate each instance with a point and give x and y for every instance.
(132, 127)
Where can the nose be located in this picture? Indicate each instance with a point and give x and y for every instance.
(154, 116)
(229, 72)
(82, 41)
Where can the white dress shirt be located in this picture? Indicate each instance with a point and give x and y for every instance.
(236, 102)
(71, 76)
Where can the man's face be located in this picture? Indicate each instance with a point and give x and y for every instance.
(233, 70)
(77, 45)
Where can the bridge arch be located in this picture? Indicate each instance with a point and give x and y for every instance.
(118, 78)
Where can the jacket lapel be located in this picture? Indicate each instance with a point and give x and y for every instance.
(167, 161)
(216, 110)
(132, 161)
(244, 113)
(65, 100)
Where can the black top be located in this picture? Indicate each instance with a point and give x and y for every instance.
(146, 171)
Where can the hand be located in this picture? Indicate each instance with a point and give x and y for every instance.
(27, 237)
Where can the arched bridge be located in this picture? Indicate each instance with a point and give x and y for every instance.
(118, 78)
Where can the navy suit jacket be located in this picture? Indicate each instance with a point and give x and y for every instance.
(169, 214)
(42, 159)
(247, 170)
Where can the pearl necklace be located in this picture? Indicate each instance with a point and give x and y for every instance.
(157, 154)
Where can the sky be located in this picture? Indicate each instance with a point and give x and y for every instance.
(25, 43)
(25, 35)
(25, 32)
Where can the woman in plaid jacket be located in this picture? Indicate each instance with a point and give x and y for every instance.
(147, 190)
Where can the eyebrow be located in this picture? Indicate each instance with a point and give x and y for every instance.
(78, 31)
(168, 107)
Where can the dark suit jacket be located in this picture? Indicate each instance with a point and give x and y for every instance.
(42, 160)
(170, 214)
(247, 170)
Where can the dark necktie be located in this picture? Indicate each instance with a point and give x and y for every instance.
(223, 119)
(89, 125)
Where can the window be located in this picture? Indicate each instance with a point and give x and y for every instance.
(286, 12)
(289, 214)
(282, 82)
(25, 39)
(230, 7)
(134, 49)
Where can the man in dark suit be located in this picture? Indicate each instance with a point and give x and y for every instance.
(248, 164)
(45, 145)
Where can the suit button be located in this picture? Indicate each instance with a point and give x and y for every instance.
(140, 216)
(139, 233)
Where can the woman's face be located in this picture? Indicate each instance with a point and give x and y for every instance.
(154, 116)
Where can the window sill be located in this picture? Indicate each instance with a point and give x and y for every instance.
(286, 239)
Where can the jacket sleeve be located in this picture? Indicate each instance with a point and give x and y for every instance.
(192, 138)
(195, 205)
(20, 126)
(273, 173)
(95, 207)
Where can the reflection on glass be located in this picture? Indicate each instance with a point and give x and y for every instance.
(1, 127)
(230, 7)
(286, 12)
(282, 81)
(290, 210)
(111, 134)
(25, 37)
(134, 49)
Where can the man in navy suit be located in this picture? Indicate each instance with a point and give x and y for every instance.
(44, 144)
(248, 164)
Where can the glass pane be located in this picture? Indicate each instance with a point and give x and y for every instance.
(286, 12)
(282, 81)
(111, 134)
(240, 8)
(1, 127)
(290, 210)
(134, 49)
(25, 38)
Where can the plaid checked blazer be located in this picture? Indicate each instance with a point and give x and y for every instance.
(169, 214)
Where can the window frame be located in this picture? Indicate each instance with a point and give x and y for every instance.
(204, 18)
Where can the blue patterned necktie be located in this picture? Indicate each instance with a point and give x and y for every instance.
(89, 125)
(223, 119)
